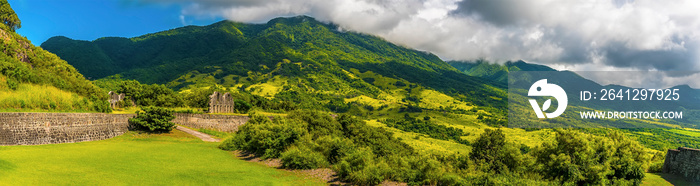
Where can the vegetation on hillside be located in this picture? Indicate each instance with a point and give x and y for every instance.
(25, 65)
(299, 56)
(8, 16)
(366, 155)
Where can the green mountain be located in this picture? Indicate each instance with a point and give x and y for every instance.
(33, 79)
(493, 71)
(283, 57)
(398, 94)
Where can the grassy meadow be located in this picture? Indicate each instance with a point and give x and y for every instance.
(175, 158)
(40, 98)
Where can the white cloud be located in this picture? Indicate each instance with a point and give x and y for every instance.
(628, 34)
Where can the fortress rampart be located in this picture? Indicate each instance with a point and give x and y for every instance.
(225, 123)
(684, 162)
(48, 128)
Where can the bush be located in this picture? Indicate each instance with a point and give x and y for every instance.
(379, 140)
(12, 84)
(319, 124)
(491, 150)
(242, 106)
(149, 95)
(264, 137)
(656, 167)
(424, 126)
(302, 158)
(101, 105)
(153, 119)
(360, 168)
(335, 148)
(584, 159)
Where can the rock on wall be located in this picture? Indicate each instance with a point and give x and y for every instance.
(225, 123)
(684, 162)
(48, 128)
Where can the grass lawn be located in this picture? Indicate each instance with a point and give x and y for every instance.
(137, 159)
(660, 179)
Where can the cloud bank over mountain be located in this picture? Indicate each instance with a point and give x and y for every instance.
(578, 34)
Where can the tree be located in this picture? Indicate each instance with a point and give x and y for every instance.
(492, 151)
(583, 159)
(8, 16)
(153, 119)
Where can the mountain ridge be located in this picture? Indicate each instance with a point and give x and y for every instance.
(310, 56)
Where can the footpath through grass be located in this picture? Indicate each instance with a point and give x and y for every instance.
(136, 159)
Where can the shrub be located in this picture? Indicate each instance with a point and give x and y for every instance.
(302, 158)
(334, 148)
(360, 168)
(264, 137)
(149, 95)
(12, 83)
(153, 119)
(491, 150)
(101, 105)
(656, 167)
(319, 124)
(379, 140)
(242, 106)
(372, 174)
(584, 159)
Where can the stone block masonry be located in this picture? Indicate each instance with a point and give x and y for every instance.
(225, 123)
(49, 128)
(683, 162)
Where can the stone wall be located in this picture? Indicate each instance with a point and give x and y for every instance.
(225, 123)
(48, 128)
(684, 162)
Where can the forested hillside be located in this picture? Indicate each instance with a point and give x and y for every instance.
(296, 55)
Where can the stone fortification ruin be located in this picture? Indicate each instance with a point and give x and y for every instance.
(221, 103)
(114, 98)
(683, 162)
(225, 123)
(48, 128)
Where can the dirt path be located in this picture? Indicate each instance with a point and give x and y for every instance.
(204, 137)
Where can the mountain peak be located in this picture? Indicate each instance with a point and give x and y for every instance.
(293, 20)
(525, 66)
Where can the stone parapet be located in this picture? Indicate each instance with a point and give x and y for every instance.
(49, 128)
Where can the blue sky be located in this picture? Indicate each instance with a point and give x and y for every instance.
(578, 35)
(92, 19)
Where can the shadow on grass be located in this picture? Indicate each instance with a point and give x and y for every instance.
(677, 180)
(6, 166)
(325, 174)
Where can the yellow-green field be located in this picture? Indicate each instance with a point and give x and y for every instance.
(40, 98)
